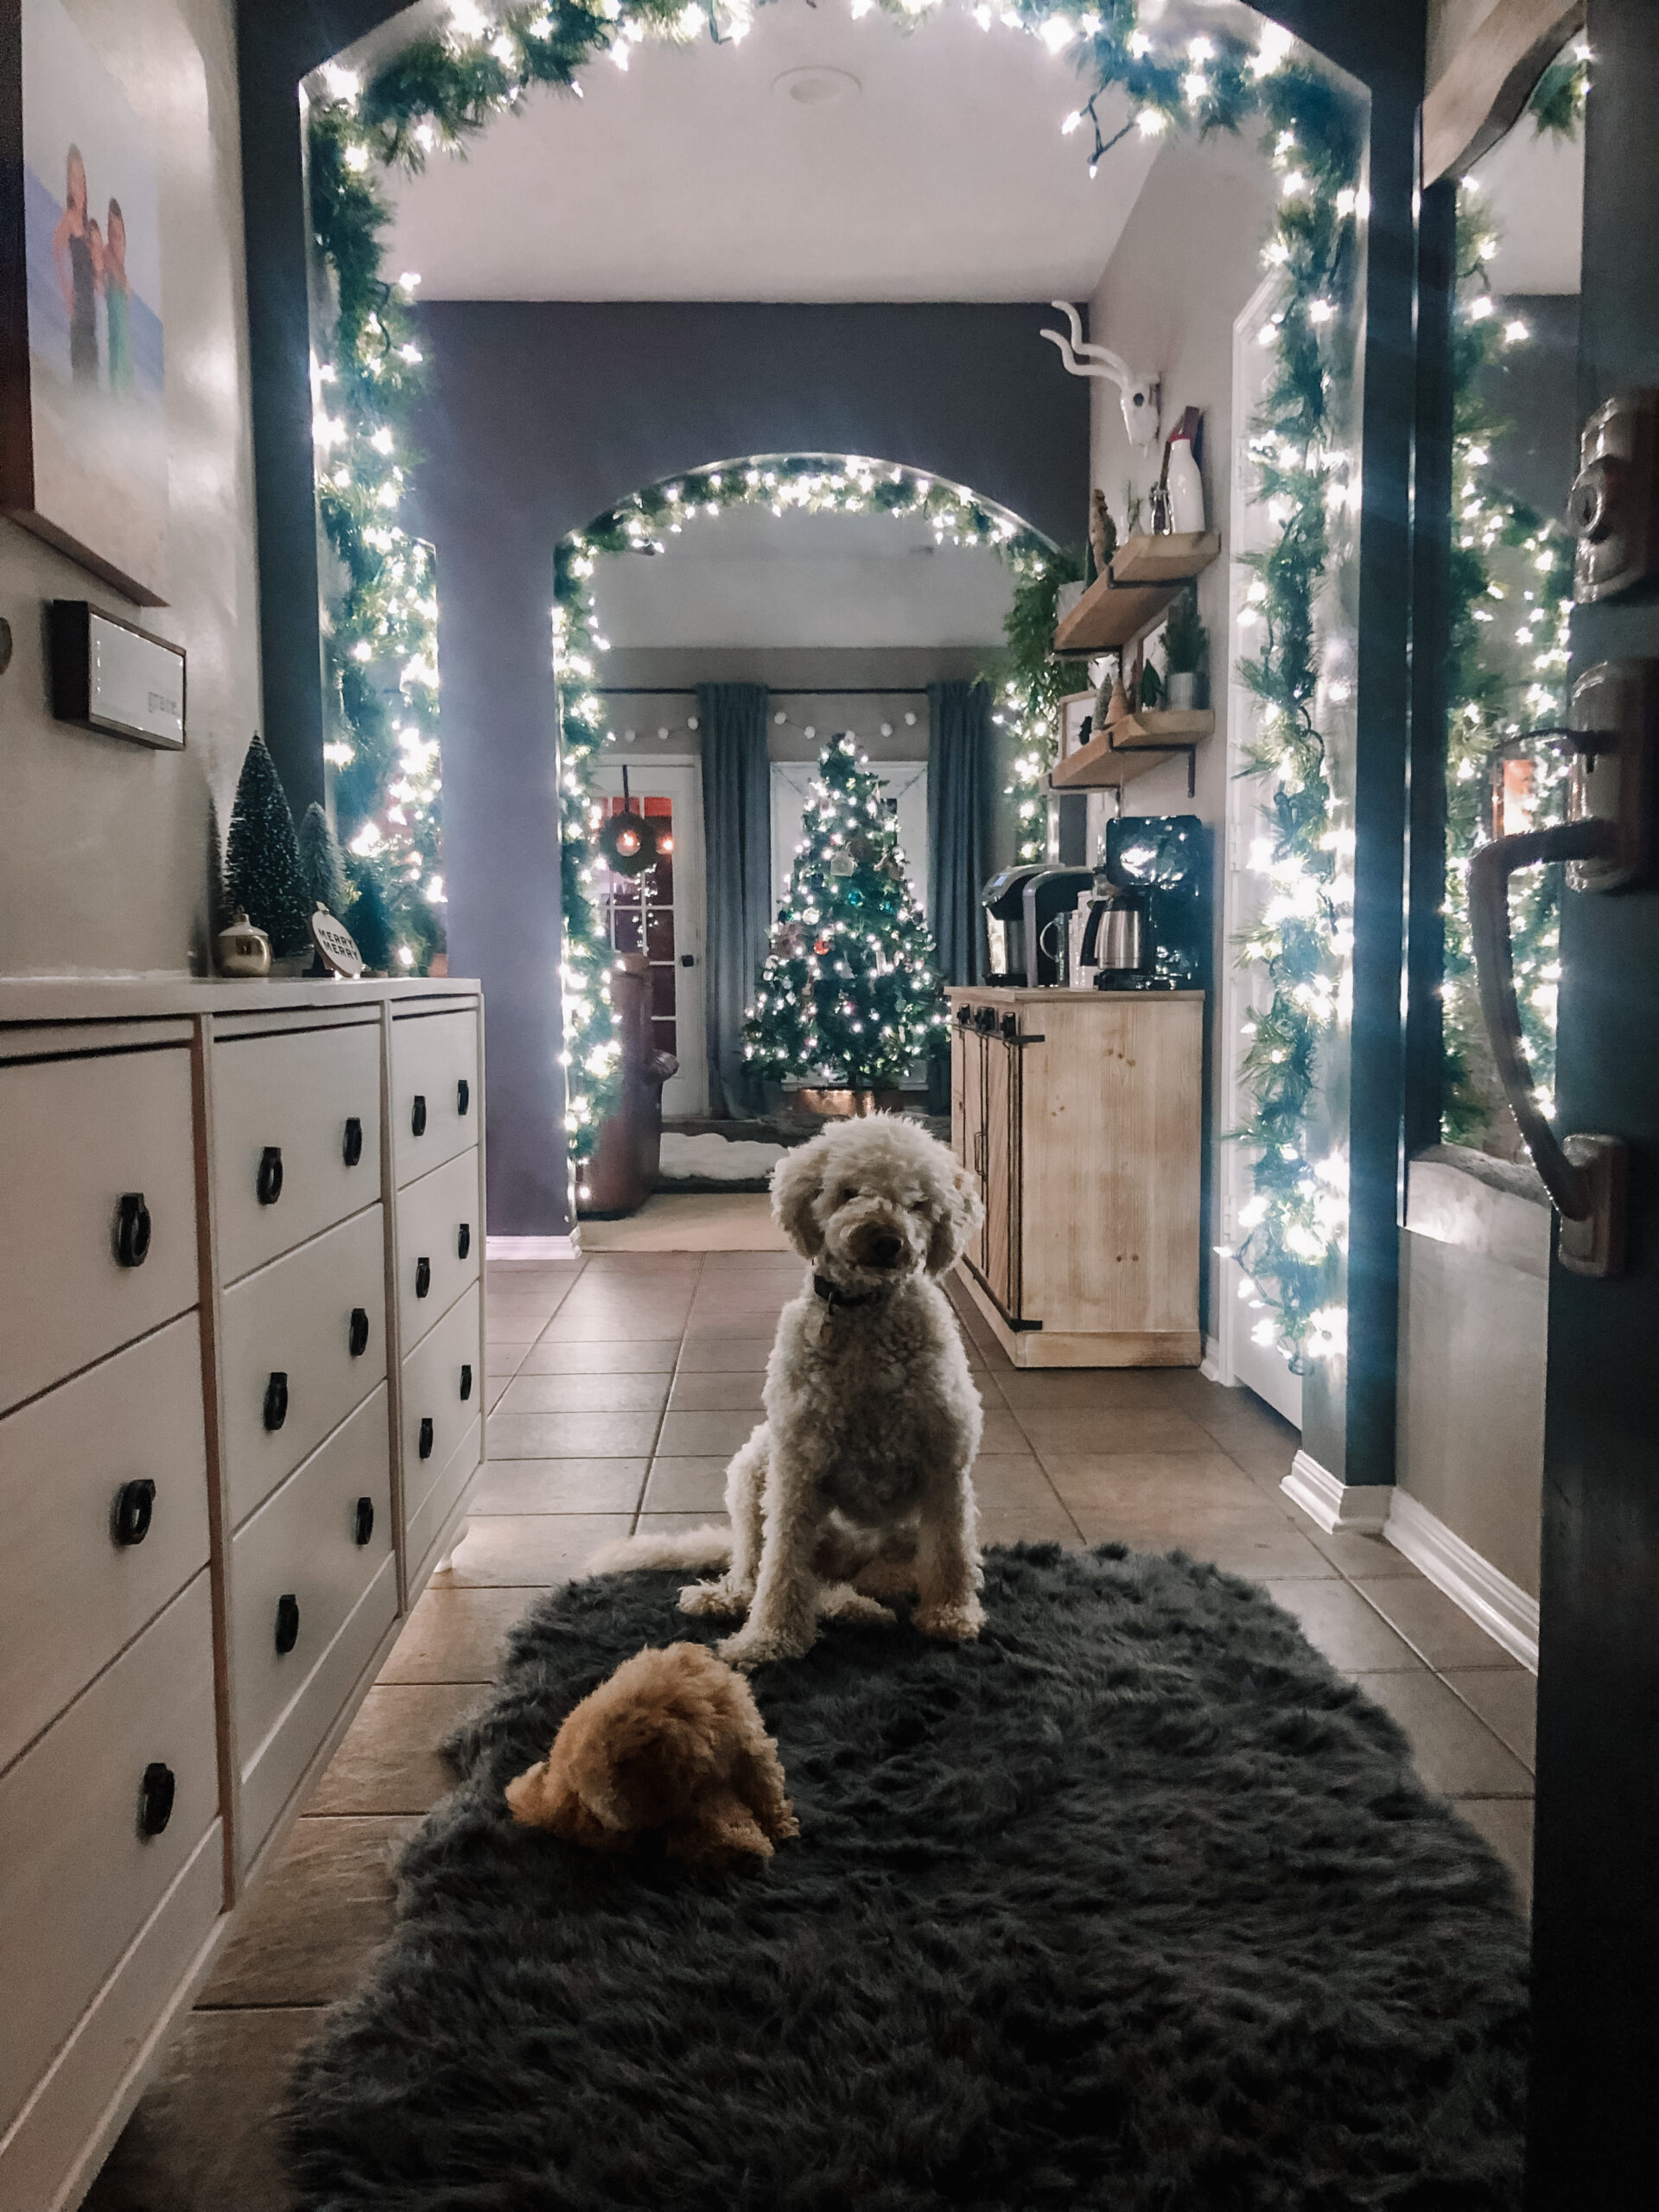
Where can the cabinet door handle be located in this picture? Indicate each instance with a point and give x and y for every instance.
(426, 1436)
(351, 1150)
(363, 1521)
(359, 1336)
(275, 1400)
(288, 1623)
(135, 1505)
(132, 1229)
(466, 1383)
(156, 1795)
(417, 1114)
(422, 1276)
(269, 1181)
(463, 1095)
(463, 1240)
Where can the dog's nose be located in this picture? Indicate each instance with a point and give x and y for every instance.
(885, 1249)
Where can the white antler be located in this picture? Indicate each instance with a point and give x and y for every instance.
(1116, 367)
(1137, 392)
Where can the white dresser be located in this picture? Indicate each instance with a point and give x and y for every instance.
(241, 1413)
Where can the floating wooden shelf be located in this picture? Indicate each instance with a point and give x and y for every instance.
(1146, 741)
(1148, 574)
(1173, 559)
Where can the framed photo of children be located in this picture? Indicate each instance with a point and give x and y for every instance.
(83, 430)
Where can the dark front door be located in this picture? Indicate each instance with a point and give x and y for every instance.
(1594, 2122)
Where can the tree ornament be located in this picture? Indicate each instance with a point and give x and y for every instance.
(820, 946)
(264, 875)
(842, 861)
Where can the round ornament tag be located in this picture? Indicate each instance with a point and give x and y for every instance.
(336, 946)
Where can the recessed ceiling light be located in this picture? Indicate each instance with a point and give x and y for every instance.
(815, 87)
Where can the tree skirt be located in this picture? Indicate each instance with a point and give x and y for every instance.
(1133, 1903)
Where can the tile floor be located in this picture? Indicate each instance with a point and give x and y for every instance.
(618, 1387)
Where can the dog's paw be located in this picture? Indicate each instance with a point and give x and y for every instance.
(959, 1621)
(841, 1602)
(748, 1649)
(715, 1600)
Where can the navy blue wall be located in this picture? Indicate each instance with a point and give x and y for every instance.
(542, 414)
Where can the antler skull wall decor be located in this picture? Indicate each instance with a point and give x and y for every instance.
(1137, 388)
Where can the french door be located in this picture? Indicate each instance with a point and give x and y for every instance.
(661, 913)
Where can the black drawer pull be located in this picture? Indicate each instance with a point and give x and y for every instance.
(463, 1095)
(466, 1383)
(359, 1336)
(135, 1503)
(132, 1229)
(363, 1520)
(422, 1276)
(463, 1240)
(269, 1183)
(417, 1114)
(276, 1400)
(426, 1436)
(156, 1795)
(288, 1621)
(351, 1150)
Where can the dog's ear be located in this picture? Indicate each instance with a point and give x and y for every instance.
(956, 1214)
(796, 1182)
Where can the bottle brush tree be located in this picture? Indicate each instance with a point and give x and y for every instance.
(850, 995)
(262, 874)
(320, 869)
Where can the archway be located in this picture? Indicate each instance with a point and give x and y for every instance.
(812, 483)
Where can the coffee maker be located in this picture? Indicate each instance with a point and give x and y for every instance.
(1146, 927)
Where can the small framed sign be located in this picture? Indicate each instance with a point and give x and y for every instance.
(336, 946)
(108, 675)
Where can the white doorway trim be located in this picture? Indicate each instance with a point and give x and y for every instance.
(678, 778)
(1237, 1357)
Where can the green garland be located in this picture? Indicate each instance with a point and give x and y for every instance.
(442, 90)
(804, 483)
(1511, 593)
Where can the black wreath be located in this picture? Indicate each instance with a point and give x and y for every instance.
(629, 844)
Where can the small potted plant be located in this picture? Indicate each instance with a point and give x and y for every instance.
(1187, 649)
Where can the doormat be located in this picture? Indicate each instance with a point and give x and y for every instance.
(1131, 1903)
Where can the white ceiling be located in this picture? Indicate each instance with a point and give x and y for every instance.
(942, 176)
(748, 577)
(1534, 185)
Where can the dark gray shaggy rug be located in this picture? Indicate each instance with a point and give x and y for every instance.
(1133, 1903)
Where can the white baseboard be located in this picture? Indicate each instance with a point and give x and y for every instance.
(1362, 1509)
(1486, 1594)
(1210, 1365)
(531, 1249)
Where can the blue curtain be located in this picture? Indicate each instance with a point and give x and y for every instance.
(961, 800)
(737, 840)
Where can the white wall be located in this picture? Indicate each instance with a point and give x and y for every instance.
(1189, 259)
(103, 843)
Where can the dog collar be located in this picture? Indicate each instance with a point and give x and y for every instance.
(833, 1295)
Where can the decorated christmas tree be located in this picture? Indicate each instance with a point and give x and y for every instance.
(849, 996)
(320, 863)
(262, 874)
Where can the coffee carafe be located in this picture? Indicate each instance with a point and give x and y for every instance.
(1112, 946)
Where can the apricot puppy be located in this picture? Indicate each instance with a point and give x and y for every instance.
(671, 1746)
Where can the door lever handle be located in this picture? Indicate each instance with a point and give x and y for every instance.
(1585, 1175)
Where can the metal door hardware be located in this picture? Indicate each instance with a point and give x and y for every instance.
(1613, 506)
(1609, 845)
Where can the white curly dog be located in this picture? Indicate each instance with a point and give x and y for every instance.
(860, 1472)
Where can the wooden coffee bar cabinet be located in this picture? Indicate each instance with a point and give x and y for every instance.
(1078, 1113)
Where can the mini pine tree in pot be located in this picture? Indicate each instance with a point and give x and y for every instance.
(262, 873)
(848, 997)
